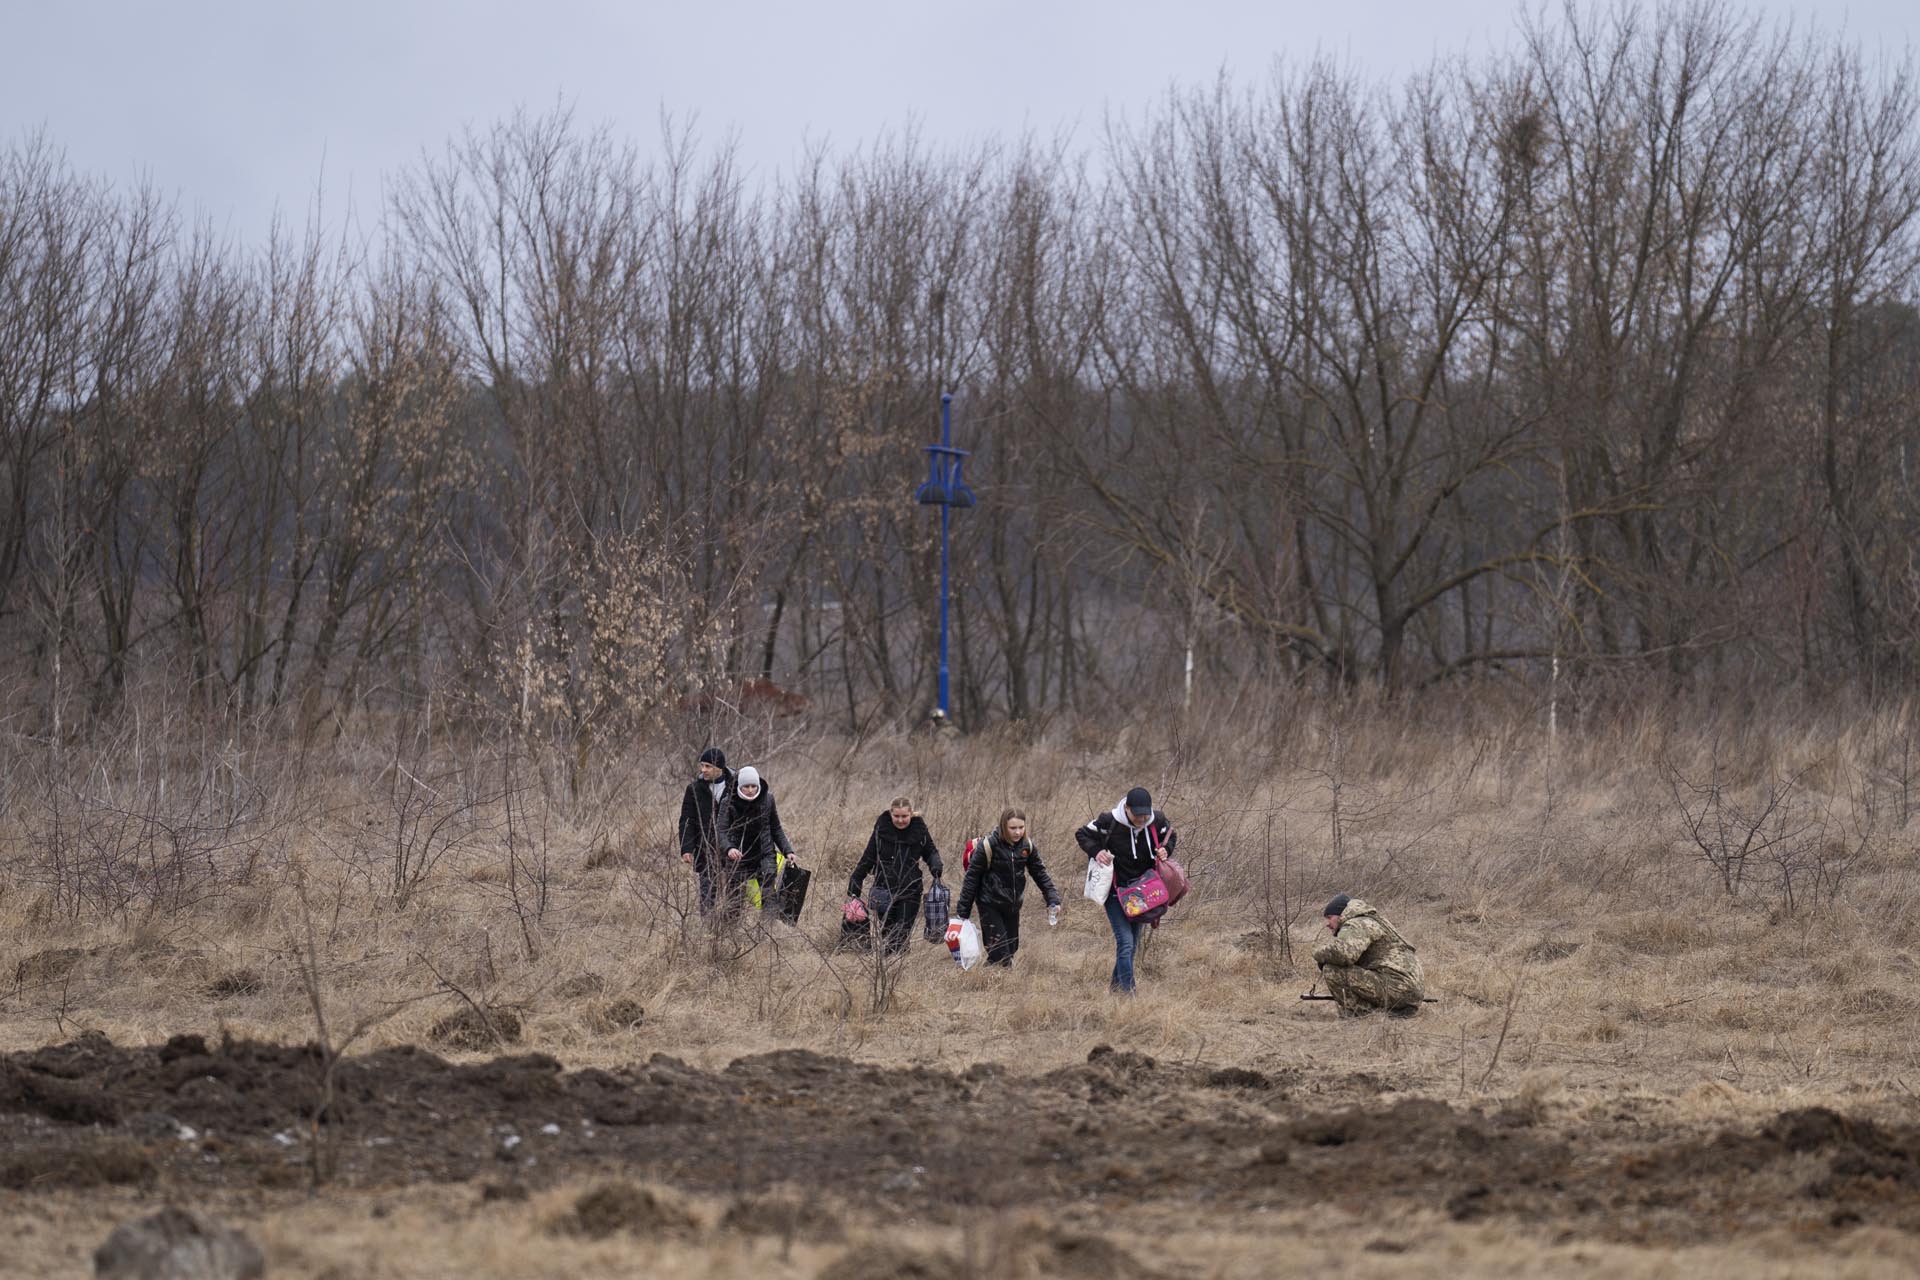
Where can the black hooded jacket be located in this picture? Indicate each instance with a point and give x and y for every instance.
(699, 829)
(753, 827)
(997, 877)
(893, 856)
(1132, 850)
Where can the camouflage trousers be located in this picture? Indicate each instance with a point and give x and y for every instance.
(1360, 991)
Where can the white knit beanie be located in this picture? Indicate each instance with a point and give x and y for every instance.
(747, 779)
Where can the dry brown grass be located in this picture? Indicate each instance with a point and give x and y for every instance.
(1632, 962)
(1631, 973)
(434, 1233)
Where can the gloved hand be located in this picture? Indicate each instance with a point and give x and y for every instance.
(1053, 915)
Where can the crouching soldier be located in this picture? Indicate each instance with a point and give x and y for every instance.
(1366, 964)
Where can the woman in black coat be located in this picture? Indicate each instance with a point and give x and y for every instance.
(997, 871)
(899, 844)
(751, 834)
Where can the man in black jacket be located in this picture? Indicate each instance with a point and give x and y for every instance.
(700, 810)
(899, 843)
(1126, 839)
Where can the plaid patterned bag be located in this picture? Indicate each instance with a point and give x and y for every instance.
(939, 910)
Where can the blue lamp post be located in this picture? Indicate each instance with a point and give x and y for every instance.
(945, 488)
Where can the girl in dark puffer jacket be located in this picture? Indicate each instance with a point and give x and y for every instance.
(997, 871)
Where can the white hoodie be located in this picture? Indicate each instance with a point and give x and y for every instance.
(1135, 834)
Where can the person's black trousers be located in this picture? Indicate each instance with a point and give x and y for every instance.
(902, 918)
(1000, 930)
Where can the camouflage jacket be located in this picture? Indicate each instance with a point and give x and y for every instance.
(1366, 939)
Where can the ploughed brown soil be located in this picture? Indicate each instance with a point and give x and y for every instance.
(1120, 1127)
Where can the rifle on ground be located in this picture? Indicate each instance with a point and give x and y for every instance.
(1311, 995)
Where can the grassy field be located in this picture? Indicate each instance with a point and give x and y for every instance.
(1698, 920)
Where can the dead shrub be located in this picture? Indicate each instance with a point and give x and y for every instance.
(579, 986)
(47, 966)
(891, 1262)
(785, 1216)
(1732, 1017)
(1532, 1104)
(99, 1162)
(1877, 1002)
(473, 1028)
(607, 858)
(618, 1015)
(1077, 1257)
(236, 982)
(616, 1207)
(1656, 933)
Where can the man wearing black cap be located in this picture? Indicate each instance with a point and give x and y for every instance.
(706, 797)
(1127, 838)
(1366, 964)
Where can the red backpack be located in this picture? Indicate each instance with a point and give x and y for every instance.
(980, 843)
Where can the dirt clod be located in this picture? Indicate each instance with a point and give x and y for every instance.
(1468, 1204)
(1813, 1128)
(36, 1093)
(175, 1244)
(1120, 1060)
(187, 1046)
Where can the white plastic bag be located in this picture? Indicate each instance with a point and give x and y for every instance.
(969, 951)
(1099, 879)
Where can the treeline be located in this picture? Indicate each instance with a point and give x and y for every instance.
(1596, 357)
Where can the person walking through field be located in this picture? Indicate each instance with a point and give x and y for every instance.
(766, 889)
(751, 833)
(1366, 964)
(899, 844)
(701, 807)
(997, 869)
(1126, 838)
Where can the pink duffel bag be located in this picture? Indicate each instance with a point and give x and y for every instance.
(1145, 899)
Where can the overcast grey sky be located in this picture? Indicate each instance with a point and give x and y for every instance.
(234, 106)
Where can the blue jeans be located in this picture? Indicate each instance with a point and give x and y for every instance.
(1126, 937)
